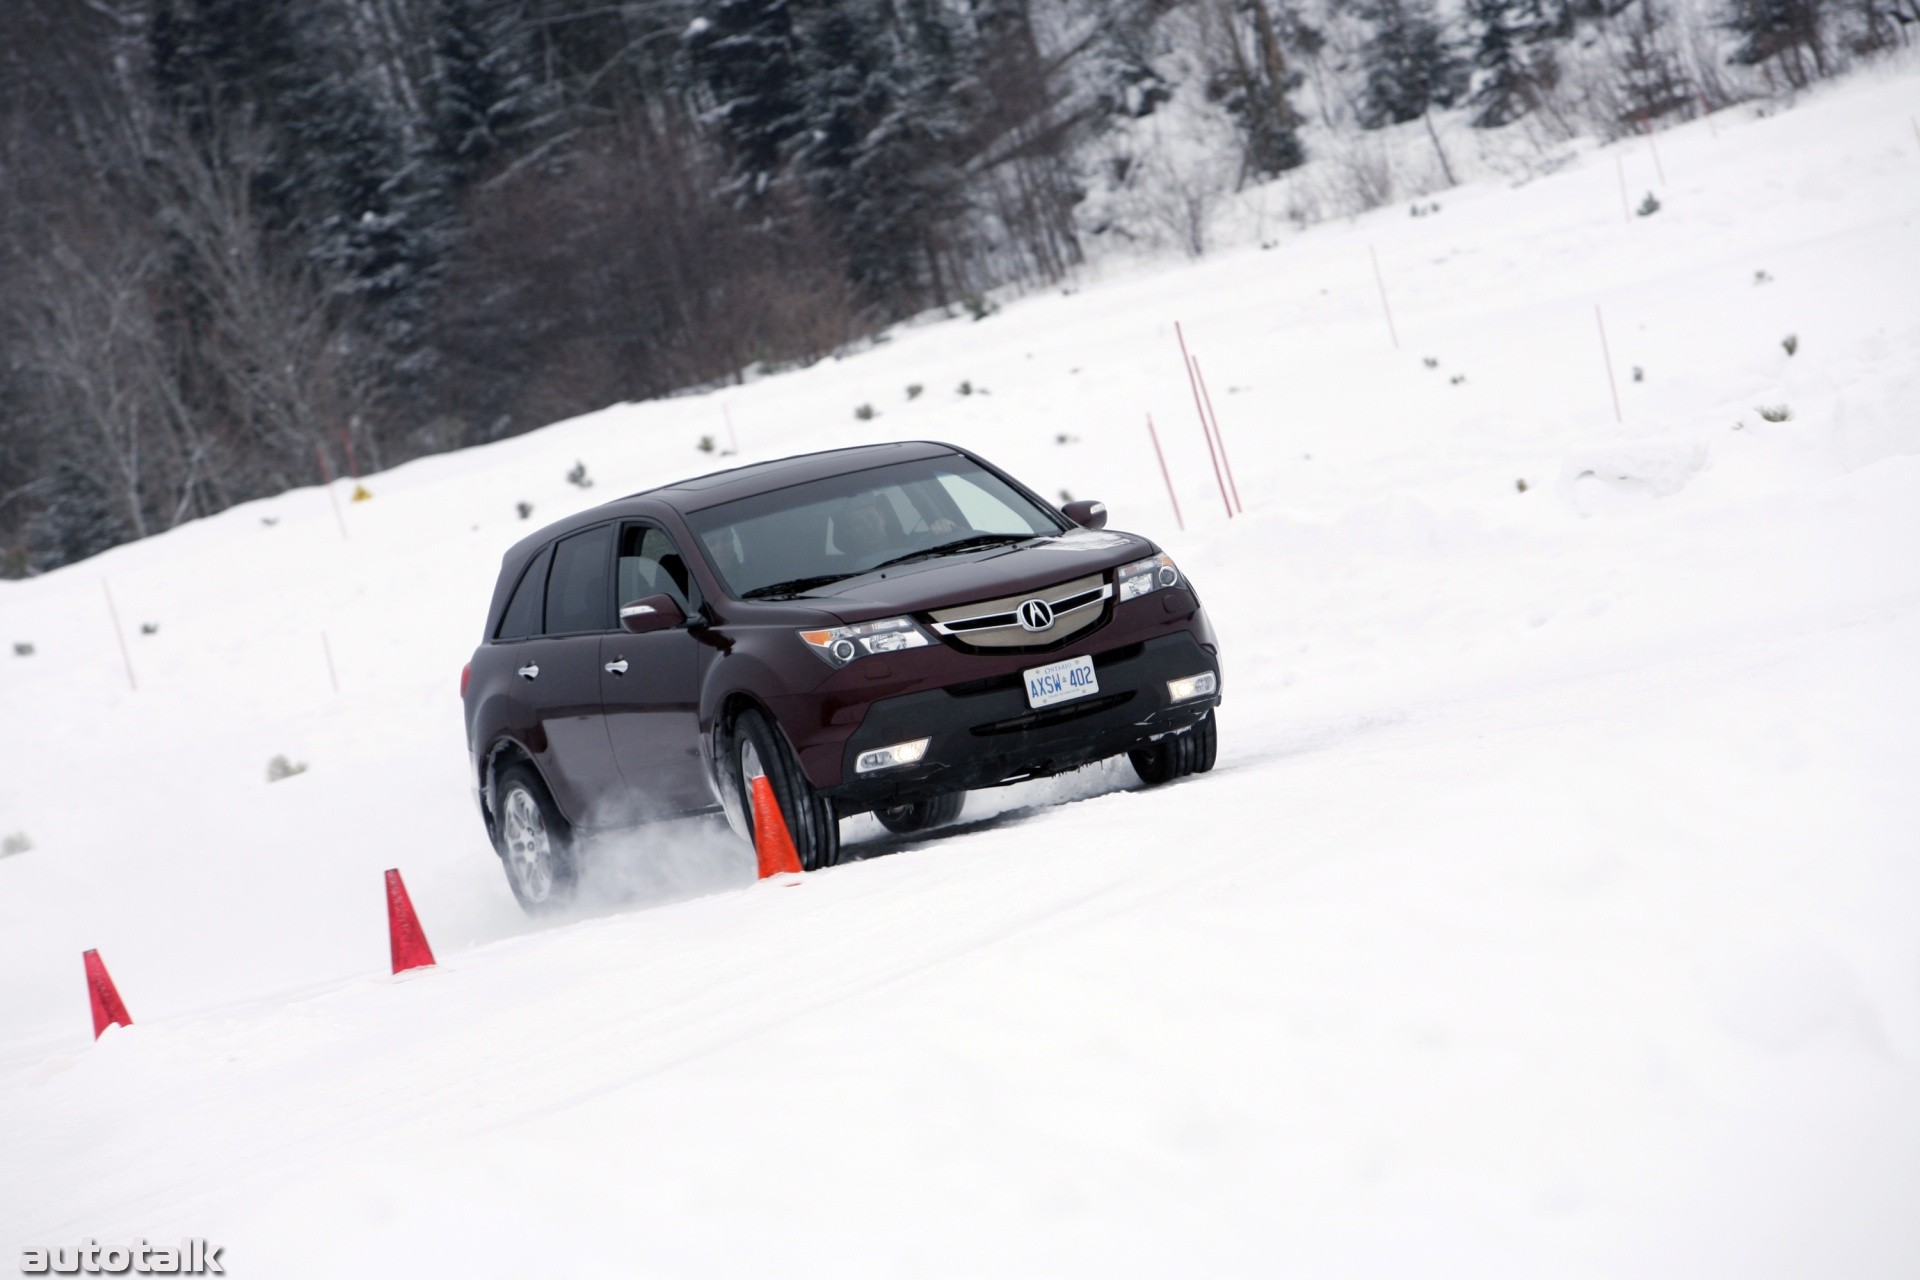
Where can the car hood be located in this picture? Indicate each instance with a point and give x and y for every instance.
(986, 574)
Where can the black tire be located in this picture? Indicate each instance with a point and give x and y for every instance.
(1177, 756)
(534, 841)
(922, 815)
(810, 817)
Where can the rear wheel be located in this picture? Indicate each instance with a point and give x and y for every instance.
(534, 841)
(759, 750)
(922, 815)
(1178, 755)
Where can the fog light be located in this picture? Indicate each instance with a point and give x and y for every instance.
(1199, 686)
(892, 757)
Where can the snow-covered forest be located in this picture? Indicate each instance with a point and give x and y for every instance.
(249, 245)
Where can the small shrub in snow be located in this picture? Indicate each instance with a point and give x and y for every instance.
(579, 477)
(1432, 362)
(1520, 485)
(1774, 412)
(705, 445)
(1791, 342)
(15, 843)
(524, 508)
(269, 521)
(1064, 438)
(1761, 277)
(1648, 207)
(865, 413)
(1639, 374)
(149, 628)
(280, 768)
(361, 493)
(1065, 496)
(965, 388)
(1457, 379)
(913, 390)
(22, 649)
(979, 307)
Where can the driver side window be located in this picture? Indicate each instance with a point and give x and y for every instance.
(651, 565)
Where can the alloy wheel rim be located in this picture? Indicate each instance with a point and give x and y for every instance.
(529, 850)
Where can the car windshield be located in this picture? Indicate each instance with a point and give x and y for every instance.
(809, 535)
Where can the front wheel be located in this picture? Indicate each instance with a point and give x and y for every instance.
(758, 750)
(1177, 755)
(921, 815)
(534, 841)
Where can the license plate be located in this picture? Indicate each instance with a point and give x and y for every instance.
(1060, 681)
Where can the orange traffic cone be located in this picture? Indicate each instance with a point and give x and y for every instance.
(108, 1011)
(771, 839)
(410, 949)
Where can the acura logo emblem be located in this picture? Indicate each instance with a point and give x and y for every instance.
(1036, 615)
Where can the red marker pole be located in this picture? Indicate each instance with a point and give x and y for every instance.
(327, 649)
(1646, 127)
(1608, 357)
(1201, 377)
(1165, 474)
(1194, 384)
(119, 635)
(327, 472)
(1382, 282)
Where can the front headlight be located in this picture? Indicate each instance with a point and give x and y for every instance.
(840, 645)
(1142, 576)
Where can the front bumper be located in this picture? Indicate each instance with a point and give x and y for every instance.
(984, 733)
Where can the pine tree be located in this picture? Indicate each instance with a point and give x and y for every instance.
(881, 106)
(487, 97)
(1789, 31)
(1409, 64)
(747, 54)
(1503, 90)
(1652, 79)
(1252, 85)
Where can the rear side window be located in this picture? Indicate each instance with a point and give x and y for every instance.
(522, 616)
(580, 589)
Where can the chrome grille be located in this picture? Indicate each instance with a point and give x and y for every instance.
(995, 624)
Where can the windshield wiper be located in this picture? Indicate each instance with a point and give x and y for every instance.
(794, 586)
(962, 544)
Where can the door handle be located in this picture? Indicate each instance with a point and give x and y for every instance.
(618, 668)
(531, 670)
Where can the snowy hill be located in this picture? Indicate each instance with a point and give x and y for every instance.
(1550, 912)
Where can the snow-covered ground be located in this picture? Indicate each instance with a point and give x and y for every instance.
(1554, 909)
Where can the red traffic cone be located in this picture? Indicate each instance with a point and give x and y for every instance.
(771, 839)
(410, 949)
(108, 1011)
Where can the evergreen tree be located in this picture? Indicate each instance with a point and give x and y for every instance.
(487, 96)
(882, 115)
(1789, 32)
(1409, 64)
(747, 54)
(1253, 86)
(1503, 91)
(1651, 77)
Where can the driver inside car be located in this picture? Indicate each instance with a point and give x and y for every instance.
(865, 528)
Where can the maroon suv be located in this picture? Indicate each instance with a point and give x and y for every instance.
(880, 628)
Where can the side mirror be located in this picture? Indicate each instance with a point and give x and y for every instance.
(650, 613)
(1087, 513)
